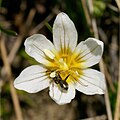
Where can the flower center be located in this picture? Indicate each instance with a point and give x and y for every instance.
(64, 64)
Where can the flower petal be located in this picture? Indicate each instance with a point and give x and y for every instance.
(89, 52)
(92, 82)
(32, 79)
(64, 33)
(35, 46)
(61, 97)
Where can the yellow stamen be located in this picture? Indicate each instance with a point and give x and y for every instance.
(49, 53)
(63, 64)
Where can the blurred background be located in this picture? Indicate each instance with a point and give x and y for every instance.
(22, 18)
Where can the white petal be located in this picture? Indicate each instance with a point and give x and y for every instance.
(89, 52)
(35, 45)
(64, 33)
(32, 79)
(92, 82)
(61, 97)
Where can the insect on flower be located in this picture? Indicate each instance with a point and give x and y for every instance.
(64, 66)
(58, 80)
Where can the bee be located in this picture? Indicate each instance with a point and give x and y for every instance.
(58, 80)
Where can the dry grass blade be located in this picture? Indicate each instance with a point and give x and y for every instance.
(39, 26)
(117, 108)
(101, 64)
(118, 3)
(47, 19)
(102, 117)
(86, 14)
(9, 75)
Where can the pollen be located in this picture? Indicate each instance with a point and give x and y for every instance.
(52, 74)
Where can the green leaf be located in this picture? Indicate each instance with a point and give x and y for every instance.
(8, 32)
(99, 7)
(48, 26)
(0, 3)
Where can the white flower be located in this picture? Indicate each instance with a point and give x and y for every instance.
(64, 65)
